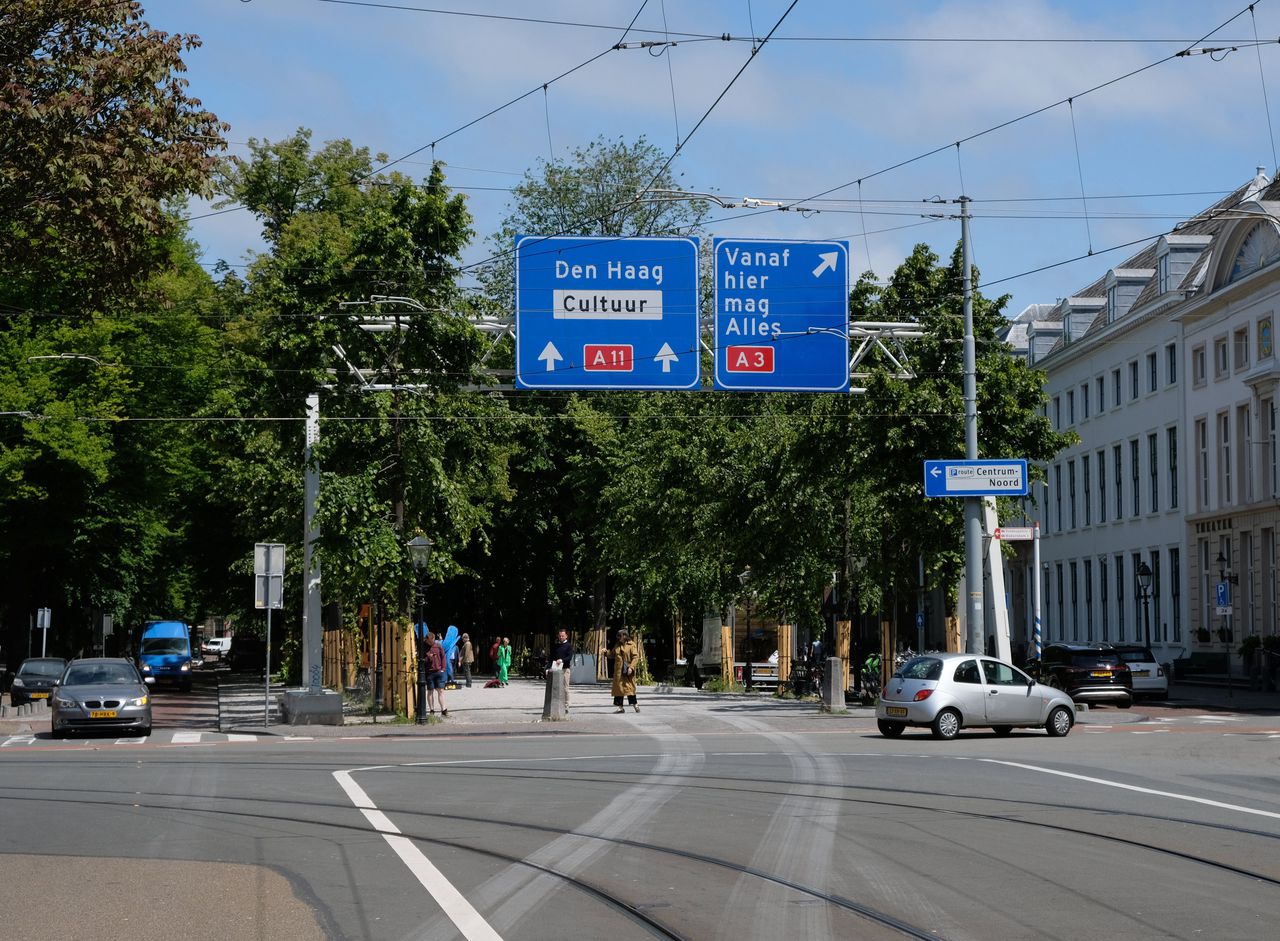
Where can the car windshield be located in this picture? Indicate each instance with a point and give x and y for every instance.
(921, 668)
(1098, 658)
(1137, 656)
(100, 674)
(164, 645)
(42, 668)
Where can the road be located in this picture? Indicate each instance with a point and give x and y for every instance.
(775, 823)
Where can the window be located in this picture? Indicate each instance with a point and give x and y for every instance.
(1206, 595)
(1071, 407)
(1171, 363)
(1240, 348)
(1001, 674)
(1250, 625)
(1115, 388)
(1071, 490)
(1062, 623)
(1153, 372)
(1088, 600)
(1102, 395)
(1137, 600)
(1119, 462)
(1202, 461)
(1224, 458)
(1075, 605)
(967, 672)
(1057, 413)
(1133, 477)
(1266, 341)
(1153, 470)
(1271, 440)
(1244, 434)
(1102, 596)
(1162, 273)
(1112, 310)
(1084, 401)
(1197, 366)
(1155, 598)
(1119, 597)
(1269, 575)
(1175, 576)
(1220, 358)
(1088, 496)
(1172, 436)
(1057, 487)
(1133, 380)
(1102, 486)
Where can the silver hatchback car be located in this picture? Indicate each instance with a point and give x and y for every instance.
(100, 694)
(950, 691)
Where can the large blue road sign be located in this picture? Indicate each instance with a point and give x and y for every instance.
(996, 478)
(782, 315)
(606, 313)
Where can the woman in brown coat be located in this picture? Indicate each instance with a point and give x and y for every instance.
(626, 661)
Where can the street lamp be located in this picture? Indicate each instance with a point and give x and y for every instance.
(1144, 589)
(743, 578)
(420, 552)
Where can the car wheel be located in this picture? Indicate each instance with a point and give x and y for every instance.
(1059, 722)
(1002, 729)
(1127, 704)
(185, 687)
(145, 733)
(58, 733)
(890, 729)
(946, 725)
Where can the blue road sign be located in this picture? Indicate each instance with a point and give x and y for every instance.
(996, 478)
(606, 313)
(1223, 595)
(782, 316)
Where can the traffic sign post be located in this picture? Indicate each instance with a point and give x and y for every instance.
(268, 585)
(1222, 593)
(782, 316)
(606, 313)
(995, 478)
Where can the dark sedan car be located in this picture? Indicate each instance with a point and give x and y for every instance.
(1088, 673)
(101, 694)
(35, 679)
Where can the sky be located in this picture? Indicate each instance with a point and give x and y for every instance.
(841, 102)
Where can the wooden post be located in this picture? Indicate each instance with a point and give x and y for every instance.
(726, 652)
(886, 651)
(955, 643)
(784, 655)
(844, 640)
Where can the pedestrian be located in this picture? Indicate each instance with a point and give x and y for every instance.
(562, 657)
(626, 659)
(504, 660)
(435, 675)
(466, 657)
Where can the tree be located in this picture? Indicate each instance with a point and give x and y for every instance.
(97, 135)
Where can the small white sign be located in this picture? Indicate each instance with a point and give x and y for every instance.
(1015, 533)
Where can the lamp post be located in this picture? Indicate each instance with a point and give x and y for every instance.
(744, 577)
(420, 552)
(1143, 576)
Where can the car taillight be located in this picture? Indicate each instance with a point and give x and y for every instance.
(923, 694)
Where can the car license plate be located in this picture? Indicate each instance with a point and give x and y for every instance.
(1141, 672)
(895, 711)
(39, 695)
(1100, 673)
(102, 714)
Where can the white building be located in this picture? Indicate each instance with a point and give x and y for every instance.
(1164, 369)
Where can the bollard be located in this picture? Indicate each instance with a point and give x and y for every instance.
(832, 680)
(553, 703)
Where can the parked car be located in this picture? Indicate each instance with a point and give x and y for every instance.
(1089, 673)
(1149, 677)
(216, 647)
(247, 653)
(101, 694)
(950, 691)
(35, 679)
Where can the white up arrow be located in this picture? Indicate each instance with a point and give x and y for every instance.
(666, 356)
(828, 261)
(550, 354)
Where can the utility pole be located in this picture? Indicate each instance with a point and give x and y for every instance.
(976, 634)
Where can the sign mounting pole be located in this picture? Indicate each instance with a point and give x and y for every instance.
(975, 641)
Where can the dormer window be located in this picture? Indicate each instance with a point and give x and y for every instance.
(1162, 274)
(1111, 302)
(1260, 248)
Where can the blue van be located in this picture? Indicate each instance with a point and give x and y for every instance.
(165, 652)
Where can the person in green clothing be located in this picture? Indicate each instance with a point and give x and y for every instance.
(504, 660)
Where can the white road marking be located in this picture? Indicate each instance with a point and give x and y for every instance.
(18, 740)
(186, 738)
(237, 737)
(454, 904)
(138, 740)
(1141, 790)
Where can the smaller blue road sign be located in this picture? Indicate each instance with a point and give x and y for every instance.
(996, 478)
(1223, 593)
(606, 313)
(782, 316)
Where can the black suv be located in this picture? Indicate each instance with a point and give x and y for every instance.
(1086, 673)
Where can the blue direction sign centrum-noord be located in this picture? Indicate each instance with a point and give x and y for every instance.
(606, 313)
(995, 478)
(782, 316)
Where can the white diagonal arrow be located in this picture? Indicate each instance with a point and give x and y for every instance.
(666, 356)
(828, 261)
(550, 354)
